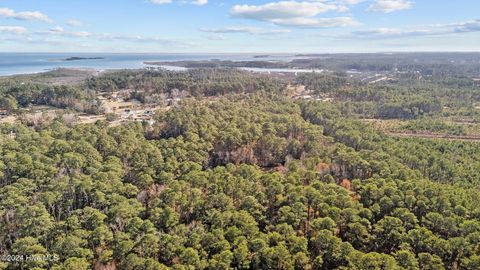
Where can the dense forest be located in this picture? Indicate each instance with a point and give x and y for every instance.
(196, 82)
(15, 95)
(240, 175)
(147, 86)
(246, 183)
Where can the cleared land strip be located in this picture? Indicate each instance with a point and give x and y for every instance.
(434, 136)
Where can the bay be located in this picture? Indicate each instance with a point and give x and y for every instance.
(26, 63)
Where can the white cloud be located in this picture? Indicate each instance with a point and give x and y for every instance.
(57, 29)
(296, 14)
(18, 30)
(199, 2)
(60, 36)
(216, 37)
(281, 10)
(352, 2)
(344, 5)
(244, 29)
(388, 6)
(75, 23)
(59, 32)
(420, 30)
(317, 22)
(393, 33)
(79, 34)
(24, 15)
(113, 37)
(471, 26)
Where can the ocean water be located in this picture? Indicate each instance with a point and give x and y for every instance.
(25, 63)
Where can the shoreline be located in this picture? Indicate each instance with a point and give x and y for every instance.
(59, 69)
(68, 69)
(98, 71)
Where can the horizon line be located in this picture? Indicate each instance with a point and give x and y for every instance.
(249, 53)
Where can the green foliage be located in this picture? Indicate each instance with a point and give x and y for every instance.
(196, 82)
(256, 182)
(8, 103)
(14, 94)
(321, 83)
(433, 126)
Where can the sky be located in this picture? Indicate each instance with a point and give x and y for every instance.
(239, 26)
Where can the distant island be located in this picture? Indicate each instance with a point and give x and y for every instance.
(81, 58)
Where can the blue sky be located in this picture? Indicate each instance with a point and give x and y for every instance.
(300, 26)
